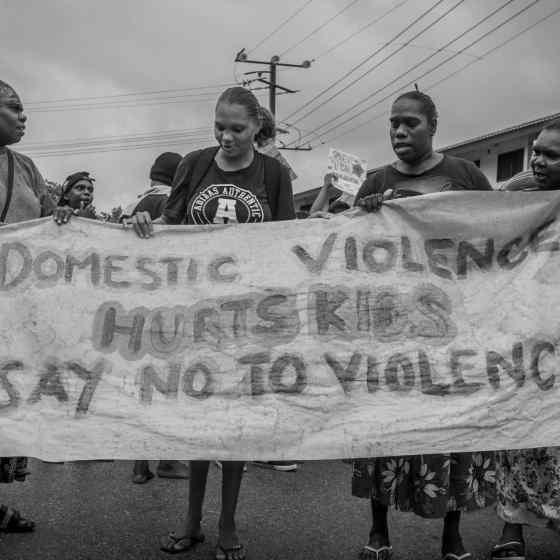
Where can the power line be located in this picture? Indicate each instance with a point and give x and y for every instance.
(412, 68)
(452, 74)
(117, 146)
(367, 59)
(320, 27)
(493, 49)
(130, 94)
(382, 61)
(363, 28)
(283, 24)
(102, 149)
(93, 140)
(123, 104)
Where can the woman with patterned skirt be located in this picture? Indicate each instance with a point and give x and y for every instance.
(528, 480)
(434, 486)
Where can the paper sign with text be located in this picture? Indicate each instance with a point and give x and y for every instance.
(350, 171)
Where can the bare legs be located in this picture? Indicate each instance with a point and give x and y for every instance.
(451, 537)
(451, 541)
(511, 542)
(232, 473)
(379, 534)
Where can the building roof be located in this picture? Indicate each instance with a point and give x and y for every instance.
(514, 128)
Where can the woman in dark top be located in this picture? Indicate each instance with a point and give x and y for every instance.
(435, 486)
(229, 184)
(528, 480)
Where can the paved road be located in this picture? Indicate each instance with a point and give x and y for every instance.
(91, 511)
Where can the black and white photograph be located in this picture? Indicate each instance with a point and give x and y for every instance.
(278, 280)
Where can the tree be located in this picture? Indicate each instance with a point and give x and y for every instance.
(54, 189)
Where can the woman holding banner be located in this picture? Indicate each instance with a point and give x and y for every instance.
(433, 486)
(23, 196)
(528, 480)
(202, 193)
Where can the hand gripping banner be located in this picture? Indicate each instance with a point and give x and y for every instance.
(430, 326)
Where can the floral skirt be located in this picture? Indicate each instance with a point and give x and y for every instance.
(428, 485)
(13, 468)
(528, 485)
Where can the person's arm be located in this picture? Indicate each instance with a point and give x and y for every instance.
(370, 197)
(321, 202)
(479, 180)
(47, 204)
(285, 209)
(176, 206)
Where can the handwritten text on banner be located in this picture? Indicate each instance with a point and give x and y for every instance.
(431, 326)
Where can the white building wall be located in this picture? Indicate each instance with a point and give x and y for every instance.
(487, 151)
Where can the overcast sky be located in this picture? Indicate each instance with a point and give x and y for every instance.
(57, 52)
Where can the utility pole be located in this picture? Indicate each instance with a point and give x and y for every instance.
(272, 73)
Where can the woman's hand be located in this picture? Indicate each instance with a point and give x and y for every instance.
(373, 202)
(62, 214)
(319, 214)
(142, 224)
(330, 179)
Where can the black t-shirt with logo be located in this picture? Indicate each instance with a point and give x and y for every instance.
(230, 197)
(450, 174)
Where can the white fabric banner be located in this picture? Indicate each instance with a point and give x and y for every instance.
(430, 326)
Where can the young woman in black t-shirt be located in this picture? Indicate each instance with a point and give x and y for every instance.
(433, 486)
(233, 189)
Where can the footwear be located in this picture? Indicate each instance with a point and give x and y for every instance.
(142, 478)
(236, 552)
(11, 521)
(512, 550)
(452, 556)
(284, 466)
(382, 553)
(175, 470)
(172, 544)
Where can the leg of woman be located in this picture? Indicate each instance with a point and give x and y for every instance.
(451, 542)
(378, 547)
(190, 534)
(229, 547)
(197, 490)
(141, 472)
(511, 543)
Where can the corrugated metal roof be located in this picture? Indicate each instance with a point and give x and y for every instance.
(514, 128)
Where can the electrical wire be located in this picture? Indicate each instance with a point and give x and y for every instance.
(130, 94)
(450, 75)
(93, 140)
(320, 27)
(123, 104)
(385, 59)
(439, 65)
(102, 149)
(363, 28)
(365, 60)
(283, 24)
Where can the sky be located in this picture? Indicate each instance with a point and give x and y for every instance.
(110, 84)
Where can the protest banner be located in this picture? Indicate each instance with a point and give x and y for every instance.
(350, 171)
(430, 326)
